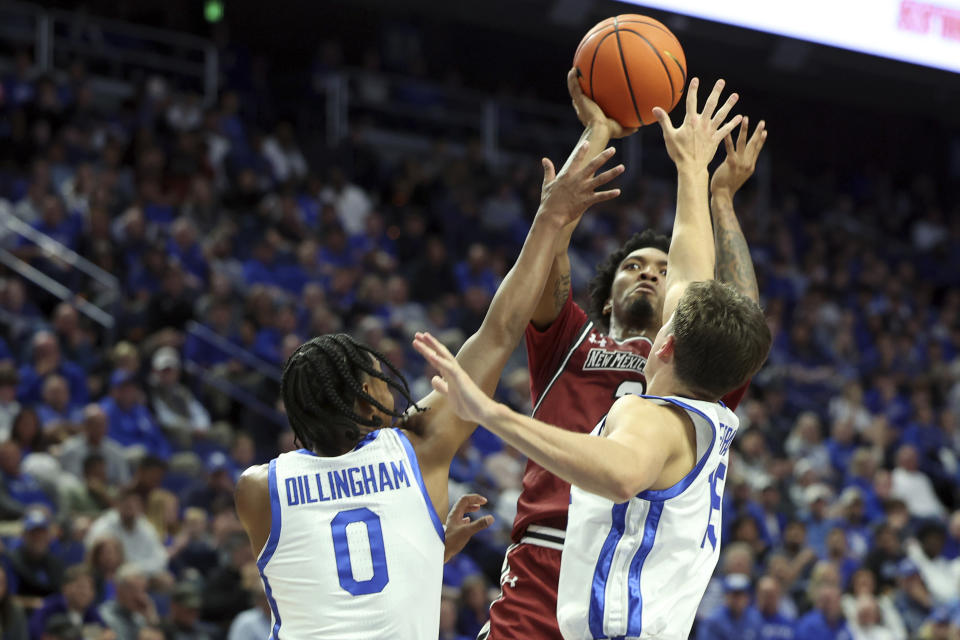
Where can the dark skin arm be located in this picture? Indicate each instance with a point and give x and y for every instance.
(734, 265)
(598, 129)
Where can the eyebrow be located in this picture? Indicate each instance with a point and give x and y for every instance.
(641, 259)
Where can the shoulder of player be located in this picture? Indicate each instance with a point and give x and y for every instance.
(641, 415)
(253, 483)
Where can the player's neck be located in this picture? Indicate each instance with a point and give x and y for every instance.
(665, 383)
(624, 332)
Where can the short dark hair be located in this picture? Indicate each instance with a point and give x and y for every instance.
(721, 338)
(602, 281)
(320, 384)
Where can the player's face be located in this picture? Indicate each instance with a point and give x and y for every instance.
(636, 296)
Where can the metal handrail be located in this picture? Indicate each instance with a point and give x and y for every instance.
(237, 353)
(42, 280)
(59, 250)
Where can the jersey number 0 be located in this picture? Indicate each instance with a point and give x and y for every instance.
(341, 548)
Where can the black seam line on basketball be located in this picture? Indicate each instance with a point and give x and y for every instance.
(593, 62)
(623, 63)
(649, 24)
(666, 70)
(683, 72)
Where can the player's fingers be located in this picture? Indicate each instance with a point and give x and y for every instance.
(663, 119)
(573, 83)
(603, 196)
(756, 140)
(724, 110)
(763, 139)
(691, 97)
(439, 385)
(549, 171)
(421, 346)
(727, 128)
(728, 145)
(442, 352)
(606, 176)
(713, 99)
(599, 161)
(480, 524)
(742, 134)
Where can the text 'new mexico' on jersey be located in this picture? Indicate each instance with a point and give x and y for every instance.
(355, 548)
(638, 569)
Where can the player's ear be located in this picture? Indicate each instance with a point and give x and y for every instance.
(607, 307)
(665, 352)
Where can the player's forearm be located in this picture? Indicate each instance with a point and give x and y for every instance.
(692, 254)
(734, 264)
(555, 292)
(598, 465)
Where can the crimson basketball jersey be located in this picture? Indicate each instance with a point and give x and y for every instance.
(576, 373)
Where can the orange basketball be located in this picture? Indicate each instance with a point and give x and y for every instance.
(630, 64)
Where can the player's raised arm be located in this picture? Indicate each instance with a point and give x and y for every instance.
(598, 129)
(565, 197)
(734, 265)
(692, 146)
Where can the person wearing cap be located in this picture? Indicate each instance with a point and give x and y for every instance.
(178, 411)
(130, 422)
(75, 602)
(912, 598)
(38, 572)
(93, 440)
(826, 621)
(736, 619)
(183, 621)
(818, 497)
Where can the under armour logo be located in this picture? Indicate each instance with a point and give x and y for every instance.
(512, 581)
(602, 342)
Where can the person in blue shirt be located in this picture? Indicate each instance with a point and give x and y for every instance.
(818, 498)
(826, 620)
(736, 619)
(774, 625)
(129, 419)
(46, 360)
(76, 600)
(20, 486)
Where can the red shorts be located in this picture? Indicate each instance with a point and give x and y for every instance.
(527, 606)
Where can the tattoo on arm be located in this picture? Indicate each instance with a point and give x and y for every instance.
(734, 265)
(560, 291)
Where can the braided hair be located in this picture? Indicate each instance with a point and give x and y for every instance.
(320, 384)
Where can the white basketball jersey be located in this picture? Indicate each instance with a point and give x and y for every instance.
(355, 548)
(639, 569)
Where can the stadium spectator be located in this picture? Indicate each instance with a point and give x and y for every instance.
(75, 600)
(912, 598)
(255, 623)
(9, 407)
(736, 618)
(20, 485)
(773, 624)
(826, 621)
(132, 610)
(105, 557)
(940, 575)
(177, 409)
(59, 417)
(12, 619)
(45, 361)
(93, 440)
(94, 495)
(126, 522)
(37, 571)
(183, 621)
(913, 487)
(863, 584)
(129, 421)
(224, 595)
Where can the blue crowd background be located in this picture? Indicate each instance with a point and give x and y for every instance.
(118, 459)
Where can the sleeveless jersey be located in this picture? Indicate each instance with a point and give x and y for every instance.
(639, 569)
(576, 374)
(355, 548)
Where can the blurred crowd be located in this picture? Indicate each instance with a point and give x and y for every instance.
(120, 447)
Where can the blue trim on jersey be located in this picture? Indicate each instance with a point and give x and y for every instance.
(656, 495)
(412, 456)
(600, 574)
(271, 547)
(635, 601)
(367, 439)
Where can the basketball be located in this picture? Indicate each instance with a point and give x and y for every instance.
(630, 64)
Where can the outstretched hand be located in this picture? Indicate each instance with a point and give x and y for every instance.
(468, 401)
(460, 528)
(741, 158)
(589, 112)
(565, 196)
(693, 144)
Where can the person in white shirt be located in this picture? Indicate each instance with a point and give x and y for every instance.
(942, 576)
(914, 487)
(93, 439)
(126, 522)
